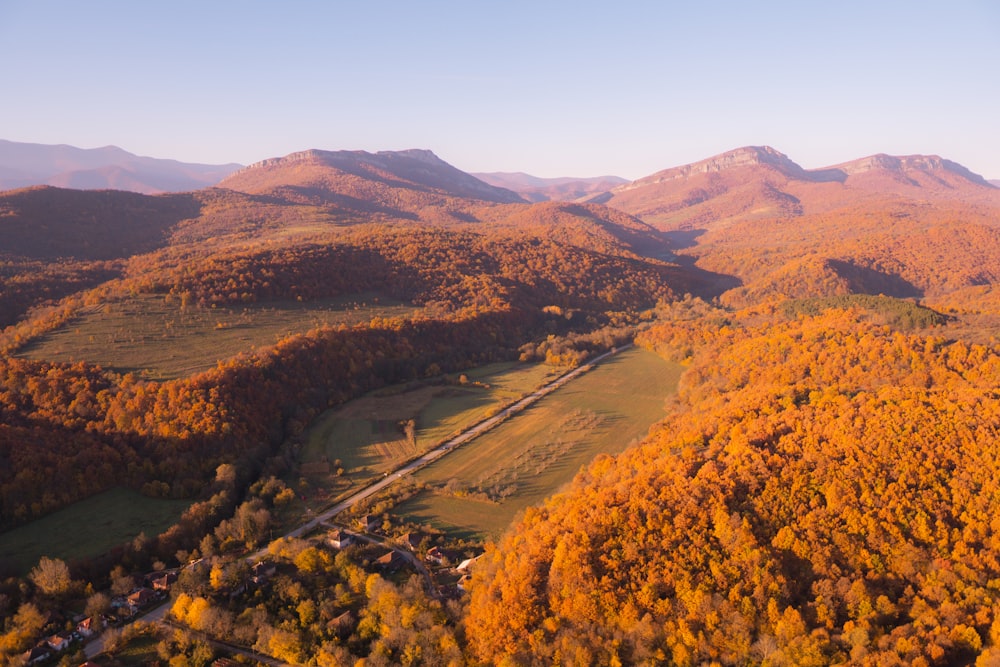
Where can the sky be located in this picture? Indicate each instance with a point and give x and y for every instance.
(547, 87)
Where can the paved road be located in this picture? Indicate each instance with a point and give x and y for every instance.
(442, 449)
(158, 615)
(96, 646)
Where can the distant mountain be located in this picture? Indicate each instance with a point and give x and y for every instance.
(995, 182)
(759, 181)
(393, 183)
(905, 226)
(25, 164)
(537, 189)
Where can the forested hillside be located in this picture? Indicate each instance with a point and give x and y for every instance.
(823, 490)
(484, 286)
(824, 493)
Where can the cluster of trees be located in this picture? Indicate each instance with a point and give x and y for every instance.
(825, 493)
(36, 606)
(427, 264)
(46, 223)
(71, 430)
(887, 247)
(25, 284)
(321, 606)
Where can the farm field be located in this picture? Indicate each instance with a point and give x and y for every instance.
(88, 528)
(158, 339)
(480, 488)
(367, 437)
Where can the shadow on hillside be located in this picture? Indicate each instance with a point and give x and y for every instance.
(864, 280)
(317, 196)
(683, 238)
(705, 284)
(49, 223)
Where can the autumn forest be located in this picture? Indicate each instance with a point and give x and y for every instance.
(823, 487)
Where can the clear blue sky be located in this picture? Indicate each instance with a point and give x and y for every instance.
(547, 87)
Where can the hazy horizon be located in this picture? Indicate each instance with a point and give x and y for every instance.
(563, 89)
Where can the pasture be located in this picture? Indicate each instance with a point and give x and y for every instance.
(157, 338)
(481, 487)
(367, 435)
(88, 528)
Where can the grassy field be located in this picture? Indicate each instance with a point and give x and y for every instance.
(480, 488)
(155, 337)
(366, 436)
(88, 528)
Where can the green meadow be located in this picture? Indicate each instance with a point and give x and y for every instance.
(480, 488)
(88, 528)
(367, 435)
(154, 336)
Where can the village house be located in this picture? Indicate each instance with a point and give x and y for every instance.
(439, 556)
(466, 565)
(39, 653)
(162, 581)
(59, 642)
(342, 625)
(261, 573)
(340, 538)
(370, 523)
(412, 541)
(87, 627)
(139, 599)
(389, 562)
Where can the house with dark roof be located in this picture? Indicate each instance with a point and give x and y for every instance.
(390, 561)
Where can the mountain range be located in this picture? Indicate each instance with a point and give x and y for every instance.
(537, 189)
(110, 167)
(148, 339)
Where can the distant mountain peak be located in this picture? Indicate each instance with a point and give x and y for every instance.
(108, 167)
(747, 156)
(414, 169)
(334, 158)
(905, 163)
(564, 188)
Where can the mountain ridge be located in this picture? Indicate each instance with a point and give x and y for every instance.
(315, 173)
(108, 167)
(563, 188)
(761, 181)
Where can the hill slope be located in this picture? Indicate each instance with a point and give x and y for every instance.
(758, 181)
(392, 183)
(904, 226)
(821, 497)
